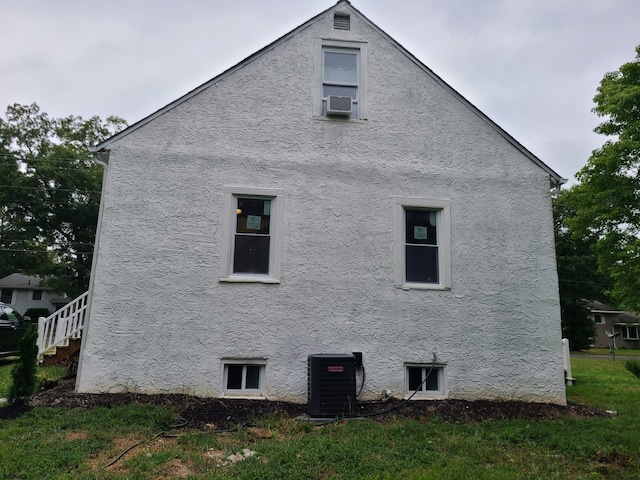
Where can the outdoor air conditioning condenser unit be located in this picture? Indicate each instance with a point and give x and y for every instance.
(332, 384)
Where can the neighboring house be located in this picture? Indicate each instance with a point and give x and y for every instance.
(329, 194)
(23, 292)
(607, 320)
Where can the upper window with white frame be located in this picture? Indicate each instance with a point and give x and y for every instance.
(422, 243)
(341, 79)
(251, 235)
(7, 296)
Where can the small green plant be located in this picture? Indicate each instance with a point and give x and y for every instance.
(24, 373)
(633, 365)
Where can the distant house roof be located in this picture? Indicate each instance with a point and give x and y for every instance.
(599, 307)
(22, 281)
(341, 6)
(623, 316)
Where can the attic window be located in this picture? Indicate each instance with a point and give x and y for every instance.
(341, 21)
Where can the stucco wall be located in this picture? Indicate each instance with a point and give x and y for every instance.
(161, 321)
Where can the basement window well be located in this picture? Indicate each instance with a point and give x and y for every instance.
(426, 380)
(244, 377)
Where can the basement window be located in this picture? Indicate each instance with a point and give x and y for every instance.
(244, 377)
(427, 381)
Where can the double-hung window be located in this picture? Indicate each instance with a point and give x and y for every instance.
(251, 236)
(341, 72)
(422, 243)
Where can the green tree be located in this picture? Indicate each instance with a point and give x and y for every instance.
(50, 194)
(578, 275)
(608, 196)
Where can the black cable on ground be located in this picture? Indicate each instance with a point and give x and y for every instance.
(382, 412)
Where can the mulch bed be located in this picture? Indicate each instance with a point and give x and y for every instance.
(225, 413)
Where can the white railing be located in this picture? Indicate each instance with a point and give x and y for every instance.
(56, 330)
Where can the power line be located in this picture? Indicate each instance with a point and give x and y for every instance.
(51, 189)
(48, 252)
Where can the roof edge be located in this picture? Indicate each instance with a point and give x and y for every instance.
(555, 179)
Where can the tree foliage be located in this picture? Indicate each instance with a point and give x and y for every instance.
(50, 194)
(607, 199)
(578, 274)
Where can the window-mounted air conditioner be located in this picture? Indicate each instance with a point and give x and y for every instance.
(339, 106)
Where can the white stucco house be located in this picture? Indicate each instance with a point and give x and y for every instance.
(328, 194)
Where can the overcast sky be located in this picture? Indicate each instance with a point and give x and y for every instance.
(532, 66)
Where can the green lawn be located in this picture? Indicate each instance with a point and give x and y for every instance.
(64, 443)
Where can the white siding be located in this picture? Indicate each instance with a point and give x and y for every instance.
(161, 321)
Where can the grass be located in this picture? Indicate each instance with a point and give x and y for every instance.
(43, 375)
(75, 443)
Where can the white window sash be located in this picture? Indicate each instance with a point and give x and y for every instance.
(443, 232)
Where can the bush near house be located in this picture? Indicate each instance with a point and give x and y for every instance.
(633, 365)
(24, 373)
(35, 313)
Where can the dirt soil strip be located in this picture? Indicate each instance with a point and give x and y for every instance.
(226, 413)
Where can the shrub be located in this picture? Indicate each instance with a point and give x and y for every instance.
(35, 313)
(633, 365)
(24, 373)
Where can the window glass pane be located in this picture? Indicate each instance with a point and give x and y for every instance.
(12, 315)
(432, 379)
(339, 91)
(37, 294)
(251, 254)
(421, 227)
(7, 295)
(253, 216)
(340, 67)
(253, 377)
(421, 264)
(234, 377)
(415, 377)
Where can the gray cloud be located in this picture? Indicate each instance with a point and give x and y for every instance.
(531, 65)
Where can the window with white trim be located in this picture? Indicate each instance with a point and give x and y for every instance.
(629, 332)
(341, 72)
(252, 235)
(37, 295)
(6, 296)
(597, 319)
(425, 380)
(244, 377)
(422, 243)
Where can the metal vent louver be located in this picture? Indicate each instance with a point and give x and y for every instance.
(332, 384)
(341, 22)
(339, 106)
